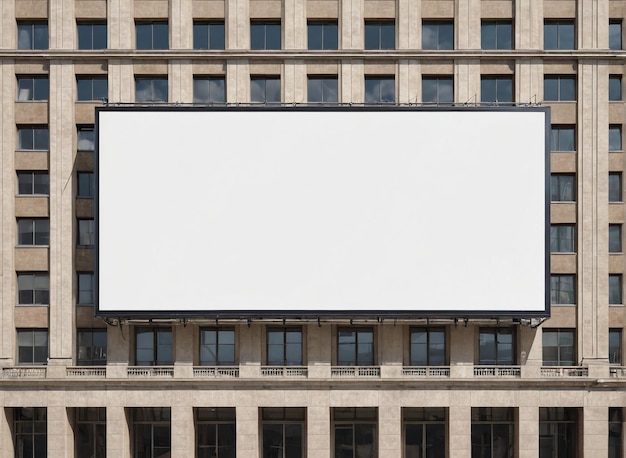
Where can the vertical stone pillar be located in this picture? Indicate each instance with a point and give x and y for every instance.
(460, 427)
(462, 351)
(294, 24)
(62, 240)
(389, 429)
(294, 81)
(528, 27)
(182, 431)
(6, 433)
(60, 436)
(467, 24)
(237, 24)
(247, 430)
(351, 24)
(121, 24)
(118, 351)
(118, 429)
(318, 426)
(409, 24)
(596, 431)
(183, 351)
(528, 81)
(467, 81)
(352, 81)
(528, 431)
(237, 81)
(409, 81)
(61, 24)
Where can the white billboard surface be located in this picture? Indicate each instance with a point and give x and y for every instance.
(282, 211)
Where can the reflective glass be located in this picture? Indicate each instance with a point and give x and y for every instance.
(615, 35)
(615, 88)
(615, 138)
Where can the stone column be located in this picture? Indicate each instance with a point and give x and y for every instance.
(409, 81)
(247, 430)
(319, 351)
(351, 24)
(389, 430)
(60, 435)
(118, 429)
(294, 24)
(294, 81)
(237, 81)
(460, 427)
(237, 24)
(462, 351)
(318, 426)
(182, 431)
(6, 434)
(528, 428)
(352, 81)
(596, 431)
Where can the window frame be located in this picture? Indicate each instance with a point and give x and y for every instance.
(557, 143)
(615, 138)
(428, 331)
(498, 81)
(322, 79)
(39, 232)
(220, 418)
(256, 79)
(153, 418)
(563, 92)
(438, 43)
(356, 360)
(382, 84)
(437, 80)
(283, 417)
(497, 46)
(85, 340)
(555, 281)
(561, 187)
(142, 33)
(33, 185)
(362, 419)
(379, 34)
(91, 79)
(485, 420)
(35, 94)
(35, 38)
(37, 134)
(616, 187)
(156, 359)
(197, 79)
(35, 427)
(562, 42)
(96, 29)
(37, 292)
(498, 346)
(616, 289)
(615, 346)
(559, 426)
(85, 295)
(90, 425)
(616, 431)
(215, 32)
(219, 359)
(85, 133)
(615, 238)
(152, 89)
(37, 357)
(268, 35)
(559, 240)
(615, 90)
(333, 43)
(85, 232)
(91, 185)
(615, 43)
(561, 349)
(288, 347)
(428, 419)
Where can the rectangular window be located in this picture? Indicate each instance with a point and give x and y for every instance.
(615, 238)
(559, 88)
(563, 138)
(30, 426)
(615, 88)
(92, 36)
(558, 432)
(428, 347)
(265, 89)
(562, 187)
(33, 231)
(615, 187)
(559, 347)
(217, 347)
(91, 88)
(32, 138)
(90, 432)
(33, 183)
(355, 347)
(32, 35)
(32, 346)
(425, 431)
(436, 89)
(86, 186)
(208, 35)
(215, 432)
(153, 347)
(493, 432)
(284, 346)
(562, 289)
(496, 89)
(151, 89)
(615, 289)
(559, 35)
(380, 35)
(152, 35)
(615, 346)
(33, 289)
(496, 347)
(380, 89)
(151, 427)
(355, 432)
(616, 428)
(615, 34)
(283, 432)
(562, 238)
(86, 234)
(615, 138)
(322, 35)
(438, 35)
(322, 89)
(265, 35)
(92, 347)
(496, 35)
(86, 138)
(32, 88)
(209, 89)
(86, 288)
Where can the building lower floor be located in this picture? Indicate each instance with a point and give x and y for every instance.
(271, 420)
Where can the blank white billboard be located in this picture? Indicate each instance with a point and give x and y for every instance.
(347, 212)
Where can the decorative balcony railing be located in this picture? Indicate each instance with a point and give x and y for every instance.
(354, 371)
(86, 372)
(23, 372)
(426, 371)
(498, 371)
(284, 371)
(150, 372)
(216, 371)
(558, 371)
(617, 371)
